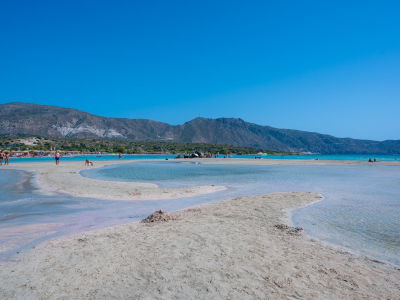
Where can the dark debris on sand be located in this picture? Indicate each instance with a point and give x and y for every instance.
(289, 230)
(159, 216)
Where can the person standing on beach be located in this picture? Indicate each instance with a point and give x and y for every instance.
(1, 157)
(119, 156)
(7, 158)
(57, 157)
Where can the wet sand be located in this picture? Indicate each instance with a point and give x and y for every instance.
(224, 250)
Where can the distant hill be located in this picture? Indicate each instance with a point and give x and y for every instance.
(25, 119)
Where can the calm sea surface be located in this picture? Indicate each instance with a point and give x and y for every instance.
(361, 209)
(153, 156)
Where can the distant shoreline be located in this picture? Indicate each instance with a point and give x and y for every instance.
(329, 159)
(238, 161)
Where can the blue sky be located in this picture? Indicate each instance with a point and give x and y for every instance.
(329, 67)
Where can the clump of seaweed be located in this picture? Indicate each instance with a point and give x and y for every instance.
(158, 216)
(289, 230)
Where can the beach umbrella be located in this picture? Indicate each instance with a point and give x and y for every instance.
(264, 154)
(259, 153)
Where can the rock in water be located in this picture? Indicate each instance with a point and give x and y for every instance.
(158, 216)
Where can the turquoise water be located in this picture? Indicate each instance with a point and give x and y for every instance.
(90, 157)
(380, 157)
(361, 209)
(360, 157)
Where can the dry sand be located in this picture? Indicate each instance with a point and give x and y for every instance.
(65, 178)
(225, 250)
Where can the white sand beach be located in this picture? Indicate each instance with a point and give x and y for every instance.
(224, 250)
(157, 150)
(230, 249)
(65, 178)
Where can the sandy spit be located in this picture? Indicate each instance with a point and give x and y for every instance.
(66, 178)
(224, 250)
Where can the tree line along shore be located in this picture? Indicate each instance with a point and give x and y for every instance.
(115, 146)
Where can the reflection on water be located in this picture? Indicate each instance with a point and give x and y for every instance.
(360, 210)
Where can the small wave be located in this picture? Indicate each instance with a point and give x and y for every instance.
(9, 179)
(15, 201)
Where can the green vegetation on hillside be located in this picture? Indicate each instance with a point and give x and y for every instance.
(110, 146)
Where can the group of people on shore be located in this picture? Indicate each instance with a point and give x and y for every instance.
(5, 156)
(57, 159)
(227, 155)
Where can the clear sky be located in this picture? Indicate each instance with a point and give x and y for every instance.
(324, 66)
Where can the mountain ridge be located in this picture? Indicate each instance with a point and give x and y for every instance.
(28, 119)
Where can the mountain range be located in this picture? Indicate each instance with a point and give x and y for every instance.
(26, 119)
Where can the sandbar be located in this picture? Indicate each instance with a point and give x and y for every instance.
(230, 249)
(66, 178)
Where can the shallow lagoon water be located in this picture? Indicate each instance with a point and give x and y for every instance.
(361, 208)
(28, 216)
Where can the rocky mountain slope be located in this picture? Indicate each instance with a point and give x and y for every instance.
(23, 119)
